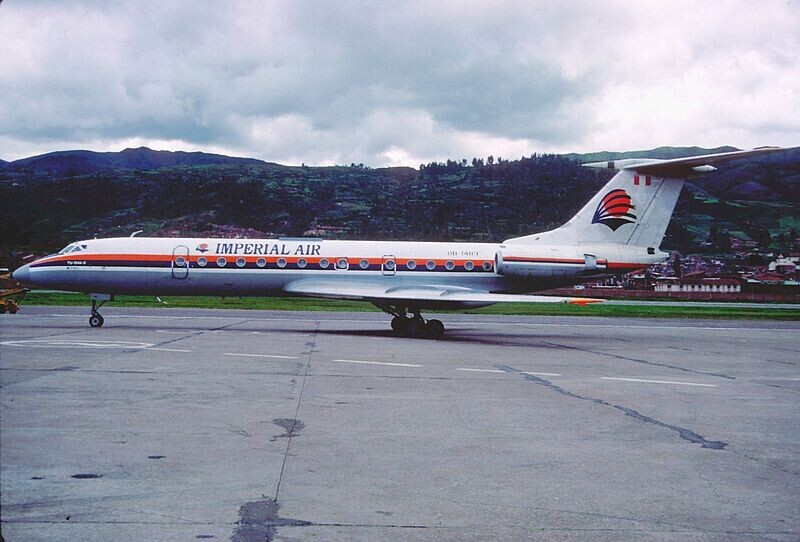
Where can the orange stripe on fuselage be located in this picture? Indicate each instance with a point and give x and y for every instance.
(440, 262)
(548, 260)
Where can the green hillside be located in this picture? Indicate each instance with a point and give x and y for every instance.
(47, 207)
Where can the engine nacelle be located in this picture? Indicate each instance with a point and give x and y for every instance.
(530, 262)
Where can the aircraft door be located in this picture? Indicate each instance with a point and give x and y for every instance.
(388, 265)
(180, 262)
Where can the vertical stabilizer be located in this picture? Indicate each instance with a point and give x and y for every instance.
(635, 206)
(631, 209)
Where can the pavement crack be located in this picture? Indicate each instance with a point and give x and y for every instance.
(202, 332)
(259, 521)
(684, 433)
(766, 463)
(291, 427)
(643, 361)
(295, 427)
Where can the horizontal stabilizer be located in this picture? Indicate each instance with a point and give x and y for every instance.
(680, 167)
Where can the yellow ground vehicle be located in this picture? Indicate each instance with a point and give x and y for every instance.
(10, 294)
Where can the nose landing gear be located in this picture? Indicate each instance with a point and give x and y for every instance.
(96, 319)
(414, 326)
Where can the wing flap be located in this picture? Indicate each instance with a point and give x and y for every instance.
(418, 294)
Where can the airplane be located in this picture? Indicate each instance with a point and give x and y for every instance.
(618, 231)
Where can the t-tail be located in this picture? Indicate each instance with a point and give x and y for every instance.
(634, 208)
(619, 230)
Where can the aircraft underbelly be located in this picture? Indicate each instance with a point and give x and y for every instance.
(245, 282)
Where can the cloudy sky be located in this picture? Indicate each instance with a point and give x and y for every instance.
(396, 83)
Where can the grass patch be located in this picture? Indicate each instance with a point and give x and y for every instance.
(644, 311)
(203, 302)
(528, 309)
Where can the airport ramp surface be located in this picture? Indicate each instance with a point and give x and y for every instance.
(253, 425)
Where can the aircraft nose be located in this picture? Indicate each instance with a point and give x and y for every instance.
(22, 274)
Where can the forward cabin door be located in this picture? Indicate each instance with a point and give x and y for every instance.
(388, 265)
(180, 262)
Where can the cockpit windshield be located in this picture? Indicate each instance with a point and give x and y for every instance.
(72, 247)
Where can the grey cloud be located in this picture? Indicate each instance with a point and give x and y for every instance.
(333, 80)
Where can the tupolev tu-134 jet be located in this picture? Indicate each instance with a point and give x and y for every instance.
(619, 230)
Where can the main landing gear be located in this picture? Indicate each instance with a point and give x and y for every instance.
(414, 326)
(96, 319)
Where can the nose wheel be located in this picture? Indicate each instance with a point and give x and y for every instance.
(96, 319)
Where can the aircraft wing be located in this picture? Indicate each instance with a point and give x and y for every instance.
(421, 295)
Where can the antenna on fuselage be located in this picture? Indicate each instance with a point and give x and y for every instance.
(137, 232)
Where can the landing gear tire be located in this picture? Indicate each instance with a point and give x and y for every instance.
(414, 328)
(399, 324)
(96, 320)
(434, 329)
(412, 325)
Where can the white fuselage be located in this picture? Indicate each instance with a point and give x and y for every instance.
(264, 267)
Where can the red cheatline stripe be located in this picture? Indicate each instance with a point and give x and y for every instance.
(611, 265)
(352, 261)
(440, 262)
(628, 266)
(89, 257)
(542, 260)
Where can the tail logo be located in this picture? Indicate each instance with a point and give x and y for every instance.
(614, 210)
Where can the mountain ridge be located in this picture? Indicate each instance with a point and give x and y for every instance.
(81, 162)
